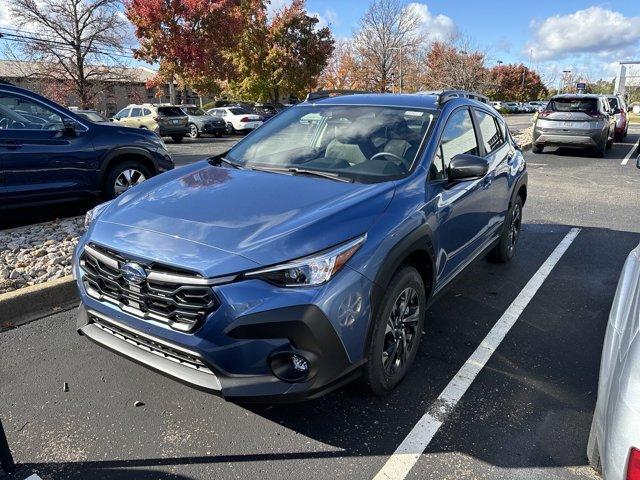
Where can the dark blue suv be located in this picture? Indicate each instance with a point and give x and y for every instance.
(308, 254)
(49, 154)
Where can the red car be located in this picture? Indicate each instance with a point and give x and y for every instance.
(620, 111)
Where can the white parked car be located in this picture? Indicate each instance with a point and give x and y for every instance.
(237, 118)
(614, 441)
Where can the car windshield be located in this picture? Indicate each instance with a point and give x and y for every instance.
(195, 111)
(238, 111)
(170, 111)
(92, 116)
(573, 105)
(360, 143)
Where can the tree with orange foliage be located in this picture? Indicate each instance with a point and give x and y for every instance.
(187, 38)
(516, 82)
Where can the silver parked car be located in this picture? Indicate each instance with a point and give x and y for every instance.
(614, 441)
(575, 120)
(200, 122)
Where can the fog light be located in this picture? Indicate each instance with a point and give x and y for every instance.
(299, 363)
(291, 366)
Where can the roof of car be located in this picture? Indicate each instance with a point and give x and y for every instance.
(578, 95)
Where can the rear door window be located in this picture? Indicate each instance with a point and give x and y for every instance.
(491, 136)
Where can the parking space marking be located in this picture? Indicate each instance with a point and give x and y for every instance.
(628, 155)
(408, 452)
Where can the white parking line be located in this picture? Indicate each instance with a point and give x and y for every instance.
(409, 451)
(628, 155)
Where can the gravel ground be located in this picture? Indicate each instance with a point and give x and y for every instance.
(524, 136)
(37, 253)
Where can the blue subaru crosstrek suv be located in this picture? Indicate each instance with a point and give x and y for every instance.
(307, 255)
(49, 154)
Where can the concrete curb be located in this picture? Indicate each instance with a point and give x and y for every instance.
(36, 301)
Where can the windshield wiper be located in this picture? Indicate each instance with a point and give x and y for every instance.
(320, 173)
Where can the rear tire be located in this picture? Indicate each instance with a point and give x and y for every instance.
(115, 181)
(397, 330)
(504, 251)
(537, 148)
(177, 138)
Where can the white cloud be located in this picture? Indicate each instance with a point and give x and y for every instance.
(5, 15)
(275, 5)
(434, 27)
(594, 30)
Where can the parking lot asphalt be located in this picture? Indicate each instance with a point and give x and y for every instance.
(526, 414)
(519, 121)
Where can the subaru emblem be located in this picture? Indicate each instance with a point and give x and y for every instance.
(133, 273)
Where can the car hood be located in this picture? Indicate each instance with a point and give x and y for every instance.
(263, 217)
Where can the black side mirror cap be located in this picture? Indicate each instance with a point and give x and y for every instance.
(465, 166)
(70, 126)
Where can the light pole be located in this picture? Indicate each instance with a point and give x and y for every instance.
(400, 53)
(565, 73)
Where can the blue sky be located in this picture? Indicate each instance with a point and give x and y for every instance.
(587, 38)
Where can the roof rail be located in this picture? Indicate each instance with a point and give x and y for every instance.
(332, 93)
(445, 95)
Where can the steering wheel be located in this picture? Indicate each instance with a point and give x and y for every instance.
(388, 154)
(4, 123)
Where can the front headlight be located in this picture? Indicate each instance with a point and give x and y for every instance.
(310, 271)
(94, 213)
(157, 140)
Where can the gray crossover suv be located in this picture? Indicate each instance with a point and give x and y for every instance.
(584, 121)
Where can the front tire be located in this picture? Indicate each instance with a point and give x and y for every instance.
(397, 330)
(506, 247)
(193, 131)
(537, 148)
(122, 176)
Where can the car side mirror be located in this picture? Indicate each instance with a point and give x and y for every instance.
(69, 126)
(465, 166)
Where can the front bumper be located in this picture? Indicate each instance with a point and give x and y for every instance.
(232, 353)
(214, 129)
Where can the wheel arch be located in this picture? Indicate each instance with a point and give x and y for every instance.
(125, 154)
(415, 249)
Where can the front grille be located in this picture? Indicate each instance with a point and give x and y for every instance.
(177, 297)
(183, 357)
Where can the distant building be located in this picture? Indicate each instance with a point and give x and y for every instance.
(128, 85)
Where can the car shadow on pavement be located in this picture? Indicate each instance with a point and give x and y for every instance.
(530, 407)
